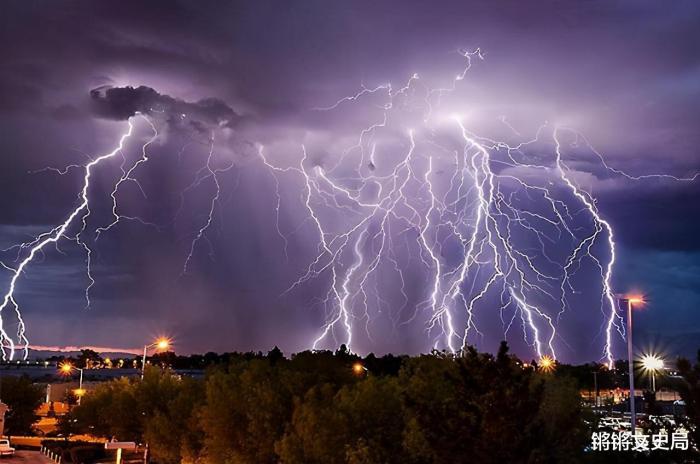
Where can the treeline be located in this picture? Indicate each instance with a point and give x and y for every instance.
(90, 359)
(587, 376)
(325, 408)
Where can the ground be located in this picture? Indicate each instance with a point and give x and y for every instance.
(26, 457)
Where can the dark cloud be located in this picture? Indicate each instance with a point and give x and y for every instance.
(67, 112)
(121, 103)
(19, 97)
(655, 215)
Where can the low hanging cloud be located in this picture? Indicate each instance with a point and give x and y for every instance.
(121, 103)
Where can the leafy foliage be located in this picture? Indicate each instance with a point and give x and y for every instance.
(316, 409)
(159, 410)
(690, 392)
(23, 398)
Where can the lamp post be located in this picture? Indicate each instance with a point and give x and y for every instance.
(161, 344)
(631, 301)
(595, 389)
(67, 369)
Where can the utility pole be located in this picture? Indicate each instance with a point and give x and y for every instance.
(630, 361)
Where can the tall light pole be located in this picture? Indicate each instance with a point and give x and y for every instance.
(631, 301)
(595, 389)
(67, 369)
(161, 344)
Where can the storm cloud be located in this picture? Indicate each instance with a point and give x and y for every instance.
(121, 103)
(625, 73)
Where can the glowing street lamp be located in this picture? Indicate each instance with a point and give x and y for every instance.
(359, 369)
(160, 344)
(547, 364)
(652, 363)
(67, 369)
(631, 301)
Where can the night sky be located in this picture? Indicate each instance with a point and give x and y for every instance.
(626, 74)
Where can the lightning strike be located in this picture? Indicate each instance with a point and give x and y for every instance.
(525, 229)
(37, 246)
(486, 227)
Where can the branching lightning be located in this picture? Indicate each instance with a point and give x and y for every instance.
(75, 226)
(42, 241)
(415, 219)
(523, 230)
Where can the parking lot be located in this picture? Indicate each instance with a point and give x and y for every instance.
(27, 457)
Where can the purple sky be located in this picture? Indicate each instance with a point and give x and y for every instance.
(626, 74)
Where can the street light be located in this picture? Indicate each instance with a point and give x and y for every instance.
(359, 369)
(160, 344)
(652, 363)
(67, 369)
(631, 301)
(547, 364)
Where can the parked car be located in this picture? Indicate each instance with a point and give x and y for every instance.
(615, 423)
(5, 448)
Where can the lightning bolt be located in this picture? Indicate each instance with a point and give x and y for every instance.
(396, 208)
(37, 246)
(602, 226)
(522, 237)
(76, 225)
(485, 226)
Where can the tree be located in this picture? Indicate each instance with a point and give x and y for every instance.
(275, 355)
(111, 410)
(314, 409)
(160, 410)
(486, 409)
(433, 413)
(246, 409)
(315, 434)
(164, 359)
(23, 398)
(690, 392)
(564, 433)
(69, 397)
(360, 423)
(89, 359)
(172, 430)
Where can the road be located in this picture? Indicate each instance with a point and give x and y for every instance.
(26, 457)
